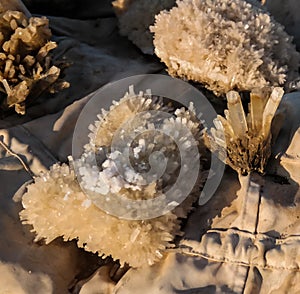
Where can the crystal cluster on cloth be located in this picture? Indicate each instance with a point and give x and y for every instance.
(225, 45)
(26, 69)
(56, 197)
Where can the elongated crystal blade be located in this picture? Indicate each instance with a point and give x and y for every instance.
(271, 108)
(227, 126)
(236, 114)
(258, 100)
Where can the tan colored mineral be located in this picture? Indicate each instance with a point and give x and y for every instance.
(26, 69)
(246, 140)
(13, 5)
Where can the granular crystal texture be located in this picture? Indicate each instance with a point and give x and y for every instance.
(135, 17)
(225, 45)
(26, 69)
(246, 140)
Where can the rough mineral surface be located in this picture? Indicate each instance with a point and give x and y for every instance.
(25, 65)
(225, 45)
(56, 197)
(141, 150)
(56, 206)
(14, 5)
(246, 140)
(135, 17)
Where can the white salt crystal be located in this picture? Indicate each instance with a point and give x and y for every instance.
(86, 203)
(134, 235)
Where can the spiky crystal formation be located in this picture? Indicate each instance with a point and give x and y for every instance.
(56, 206)
(25, 64)
(247, 141)
(56, 197)
(125, 151)
(225, 45)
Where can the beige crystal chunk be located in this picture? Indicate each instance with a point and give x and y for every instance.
(225, 45)
(26, 68)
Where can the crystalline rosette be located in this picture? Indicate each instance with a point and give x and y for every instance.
(225, 45)
(247, 141)
(102, 172)
(143, 154)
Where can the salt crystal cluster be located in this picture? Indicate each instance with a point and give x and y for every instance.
(26, 69)
(225, 45)
(55, 206)
(246, 139)
(135, 17)
(57, 196)
(162, 148)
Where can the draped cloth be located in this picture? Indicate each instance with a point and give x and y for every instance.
(244, 240)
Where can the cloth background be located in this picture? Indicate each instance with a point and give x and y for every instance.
(244, 240)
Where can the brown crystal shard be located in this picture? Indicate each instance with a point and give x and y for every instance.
(26, 69)
(13, 5)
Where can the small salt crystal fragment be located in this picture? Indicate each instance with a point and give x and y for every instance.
(271, 108)
(116, 185)
(136, 151)
(86, 203)
(173, 203)
(66, 197)
(103, 190)
(131, 90)
(158, 254)
(134, 235)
